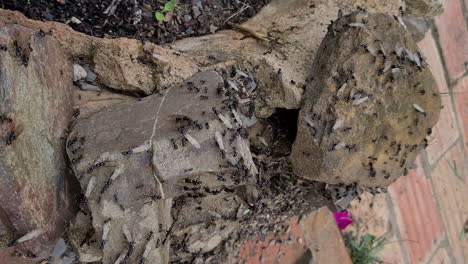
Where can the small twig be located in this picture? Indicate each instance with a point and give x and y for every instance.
(244, 7)
(252, 33)
(111, 8)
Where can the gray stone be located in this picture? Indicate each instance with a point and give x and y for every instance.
(280, 60)
(69, 258)
(417, 27)
(88, 87)
(90, 75)
(59, 248)
(131, 169)
(35, 105)
(424, 8)
(367, 113)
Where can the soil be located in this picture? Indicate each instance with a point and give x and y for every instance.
(189, 18)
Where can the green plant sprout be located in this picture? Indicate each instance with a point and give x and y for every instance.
(464, 231)
(454, 169)
(365, 252)
(168, 7)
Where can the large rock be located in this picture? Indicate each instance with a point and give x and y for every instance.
(278, 55)
(35, 107)
(134, 158)
(424, 8)
(282, 39)
(372, 103)
(121, 64)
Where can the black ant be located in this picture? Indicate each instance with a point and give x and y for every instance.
(76, 112)
(116, 200)
(4, 118)
(131, 247)
(429, 131)
(41, 33)
(128, 152)
(194, 182)
(150, 235)
(174, 145)
(30, 254)
(14, 135)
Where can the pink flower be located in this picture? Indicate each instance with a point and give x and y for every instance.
(342, 219)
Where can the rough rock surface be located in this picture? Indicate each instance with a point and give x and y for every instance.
(283, 37)
(367, 113)
(86, 103)
(121, 64)
(424, 8)
(131, 168)
(35, 107)
(278, 55)
(417, 27)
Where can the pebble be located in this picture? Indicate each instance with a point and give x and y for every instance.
(90, 75)
(187, 18)
(89, 87)
(68, 259)
(196, 11)
(213, 29)
(59, 248)
(78, 72)
(75, 20)
(189, 31)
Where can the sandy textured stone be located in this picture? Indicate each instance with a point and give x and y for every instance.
(35, 105)
(122, 64)
(361, 120)
(282, 66)
(150, 161)
(91, 102)
(424, 8)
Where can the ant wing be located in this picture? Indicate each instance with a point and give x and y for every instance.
(18, 130)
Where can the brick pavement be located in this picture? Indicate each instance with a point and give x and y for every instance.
(423, 213)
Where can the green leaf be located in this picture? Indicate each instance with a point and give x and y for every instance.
(462, 235)
(367, 241)
(353, 244)
(454, 169)
(159, 16)
(170, 5)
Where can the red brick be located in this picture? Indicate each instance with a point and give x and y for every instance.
(372, 216)
(453, 35)
(258, 252)
(417, 216)
(316, 231)
(451, 192)
(461, 103)
(445, 131)
(441, 257)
